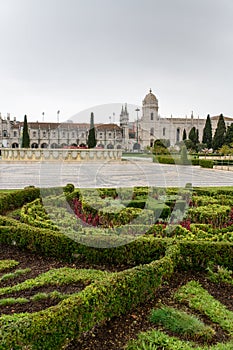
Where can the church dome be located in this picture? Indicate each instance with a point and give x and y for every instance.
(150, 99)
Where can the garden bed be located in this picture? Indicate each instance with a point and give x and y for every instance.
(74, 296)
(115, 333)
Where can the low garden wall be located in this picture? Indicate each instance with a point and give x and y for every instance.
(39, 154)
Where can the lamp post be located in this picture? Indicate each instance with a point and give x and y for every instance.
(137, 110)
(58, 131)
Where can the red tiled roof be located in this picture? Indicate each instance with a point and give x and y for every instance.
(46, 125)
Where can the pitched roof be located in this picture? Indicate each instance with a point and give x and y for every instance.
(216, 117)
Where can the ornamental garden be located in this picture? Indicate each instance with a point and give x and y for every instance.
(126, 268)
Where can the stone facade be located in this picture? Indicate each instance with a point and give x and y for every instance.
(58, 135)
(148, 127)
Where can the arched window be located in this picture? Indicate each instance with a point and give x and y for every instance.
(152, 116)
(164, 131)
(177, 134)
(152, 131)
(15, 145)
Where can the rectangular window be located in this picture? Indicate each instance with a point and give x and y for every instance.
(15, 133)
(44, 133)
(34, 134)
(152, 116)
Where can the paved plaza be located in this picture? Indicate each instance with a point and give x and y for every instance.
(108, 174)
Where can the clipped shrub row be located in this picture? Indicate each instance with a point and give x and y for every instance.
(15, 199)
(140, 251)
(214, 214)
(175, 160)
(206, 163)
(115, 295)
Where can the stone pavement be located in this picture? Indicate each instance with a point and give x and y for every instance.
(108, 174)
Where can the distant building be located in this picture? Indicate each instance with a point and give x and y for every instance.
(148, 127)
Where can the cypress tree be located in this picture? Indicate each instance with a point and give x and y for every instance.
(193, 135)
(229, 135)
(220, 132)
(197, 136)
(207, 132)
(184, 135)
(25, 138)
(91, 141)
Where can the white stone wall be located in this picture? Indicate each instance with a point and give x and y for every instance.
(9, 154)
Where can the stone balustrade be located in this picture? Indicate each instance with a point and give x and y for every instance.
(71, 155)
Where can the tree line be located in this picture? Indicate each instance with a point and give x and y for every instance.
(222, 136)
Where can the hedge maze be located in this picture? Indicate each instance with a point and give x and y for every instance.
(143, 236)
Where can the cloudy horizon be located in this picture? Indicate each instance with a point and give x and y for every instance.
(73, 55)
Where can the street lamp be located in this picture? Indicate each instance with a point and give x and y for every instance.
(58, 131)
(137, 110)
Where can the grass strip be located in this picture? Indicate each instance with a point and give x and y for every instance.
(64, 275)
(181, 322)
(7, 264)
(199, 299)
(157, 340)
(16, 273)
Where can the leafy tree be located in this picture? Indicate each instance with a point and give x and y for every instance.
(225, 150)
(25, 138)
(184, 135)
(220, 132)
(207, 132)
(161, 146)
(229, 135)
(189, 145)
(91, 141)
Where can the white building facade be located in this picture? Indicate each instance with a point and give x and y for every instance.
(148, 127)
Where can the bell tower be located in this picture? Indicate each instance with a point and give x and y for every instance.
(124, 124)
(150, 119)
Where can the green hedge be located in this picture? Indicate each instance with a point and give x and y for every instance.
(174, 160)
(15, 199)
(55, 244)
(223, 161)
(197, 254)
(206, 163)
(115, 295)
(214, 214)
(140, 251)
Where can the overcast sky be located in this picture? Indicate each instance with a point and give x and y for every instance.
(71, 55)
